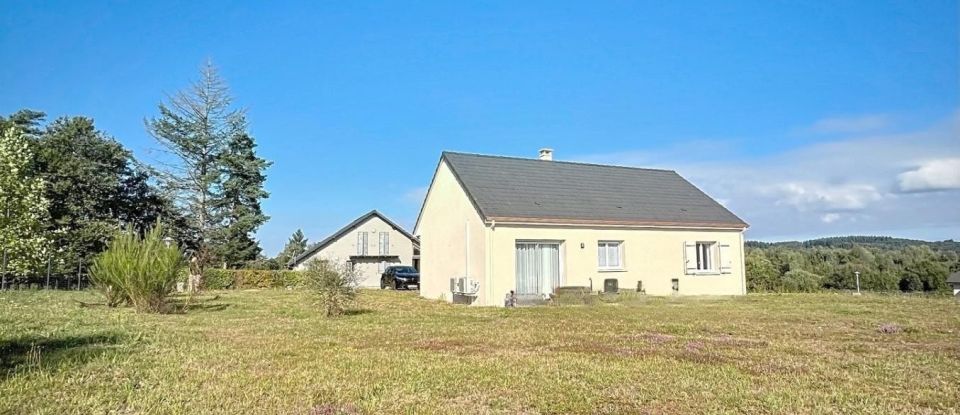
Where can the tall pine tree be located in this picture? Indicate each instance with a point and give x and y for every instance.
(195, 127)
(239, 203)
(294, 247)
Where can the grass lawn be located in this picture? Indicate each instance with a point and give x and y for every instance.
(270, 351)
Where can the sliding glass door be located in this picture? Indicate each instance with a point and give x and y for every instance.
(538, 268)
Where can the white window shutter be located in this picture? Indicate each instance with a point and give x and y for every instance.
(690, 257)
(726, 259)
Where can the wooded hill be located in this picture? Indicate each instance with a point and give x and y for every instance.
(884, 264)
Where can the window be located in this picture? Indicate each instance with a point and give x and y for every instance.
(361, 243)
(704, 256)
(384, 243)
(610, 255)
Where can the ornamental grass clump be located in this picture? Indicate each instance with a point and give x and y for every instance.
(141, 272)
(335, 283)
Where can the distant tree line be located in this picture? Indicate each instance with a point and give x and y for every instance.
(884, 264)
(67, 187)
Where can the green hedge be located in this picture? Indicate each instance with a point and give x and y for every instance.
(221, 279)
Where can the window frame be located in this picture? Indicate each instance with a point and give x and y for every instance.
(707, 248)
(606, 244)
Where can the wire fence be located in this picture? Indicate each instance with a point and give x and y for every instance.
(52, 282)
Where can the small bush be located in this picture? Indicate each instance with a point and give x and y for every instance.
(140, 271)
(335, 284)
(798, 280)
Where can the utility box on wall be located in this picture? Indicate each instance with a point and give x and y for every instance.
(611, 286)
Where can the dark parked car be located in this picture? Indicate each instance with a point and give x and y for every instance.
(400, 277)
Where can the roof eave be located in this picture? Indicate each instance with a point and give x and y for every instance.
(614, 222)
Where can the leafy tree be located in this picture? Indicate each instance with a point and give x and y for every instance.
(761, 274)
(195, 127)
(240, 201)
(23, 207)
(94, 187)
(296, 245)
(798, 280)
(883, 263)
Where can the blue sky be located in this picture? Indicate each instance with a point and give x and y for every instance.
(806, 119)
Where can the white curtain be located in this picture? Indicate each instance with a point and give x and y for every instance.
(538, 268)
(551, 267)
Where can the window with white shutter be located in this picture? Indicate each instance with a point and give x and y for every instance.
(384, 243)
(361, 243)
(726, 259)
(701, 257)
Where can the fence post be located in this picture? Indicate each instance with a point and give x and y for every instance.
(79, 267)
(48, 273)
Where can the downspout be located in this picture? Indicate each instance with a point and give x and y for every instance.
(743, 264)
(489, 268)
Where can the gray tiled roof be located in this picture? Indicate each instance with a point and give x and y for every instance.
(516, 189)
(954, 278)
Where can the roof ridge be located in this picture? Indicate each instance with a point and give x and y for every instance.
(581, 163)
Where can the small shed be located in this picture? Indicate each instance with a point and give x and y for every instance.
(954, 281)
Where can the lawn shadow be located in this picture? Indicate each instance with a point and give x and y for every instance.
(182, 304)
(42, 351)
(357, 311)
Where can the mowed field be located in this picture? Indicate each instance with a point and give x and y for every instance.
(270, 351)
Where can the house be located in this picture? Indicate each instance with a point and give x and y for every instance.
(490, 225)
(370, 243)
(954, 281)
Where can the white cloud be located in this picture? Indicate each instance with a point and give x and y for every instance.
(821, 197)
(849, 185)
(830, 217)
(855, 124)
(941, 174)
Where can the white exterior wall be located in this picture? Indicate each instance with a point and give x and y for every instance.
(450, 231)
(651, 256)
(341, 249)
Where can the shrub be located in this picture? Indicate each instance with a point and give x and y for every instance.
(140, 271)
(218, 278)
(223, 279)
(335, 284)
(252, 278)
(798, 280)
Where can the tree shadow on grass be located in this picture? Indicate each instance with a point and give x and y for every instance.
(184, 304)
(38, 351)
(357, 311)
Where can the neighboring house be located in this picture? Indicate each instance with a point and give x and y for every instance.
(532, 225)
(370, 244)
(954, 281)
